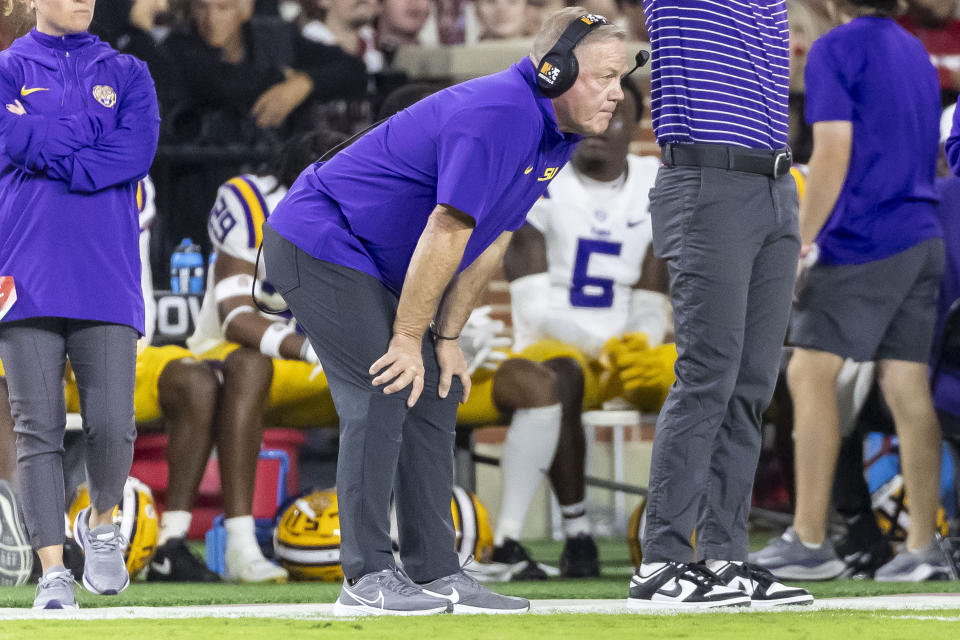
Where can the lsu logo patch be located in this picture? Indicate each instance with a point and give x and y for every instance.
(105, 95)
(592, 19)
(548, 174)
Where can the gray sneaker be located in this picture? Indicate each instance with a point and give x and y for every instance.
(55, 591)
(16, 554)
(387, 593)
(469, 596)
(930, 563)
(789, 559)
(104, 569)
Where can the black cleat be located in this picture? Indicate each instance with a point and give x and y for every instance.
(520, 565)
(579, 558)
(175, 563)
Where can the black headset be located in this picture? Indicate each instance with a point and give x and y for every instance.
(557, 70)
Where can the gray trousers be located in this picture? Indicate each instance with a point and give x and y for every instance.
(731, 244)
(384, 446)
(103, 357)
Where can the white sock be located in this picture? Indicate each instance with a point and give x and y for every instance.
(647, 569)
(527, 453)
(242, 539)
(173, 524)
(810, 546)
(575, 522)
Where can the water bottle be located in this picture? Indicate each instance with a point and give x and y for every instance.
(186, 268)
(195, 263)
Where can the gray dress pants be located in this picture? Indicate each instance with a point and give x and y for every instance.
(385, 447)
(103, 356)
(731, 243)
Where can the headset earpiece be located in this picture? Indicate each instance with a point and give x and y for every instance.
(557, 70)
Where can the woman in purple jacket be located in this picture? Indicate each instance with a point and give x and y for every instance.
(78, 130)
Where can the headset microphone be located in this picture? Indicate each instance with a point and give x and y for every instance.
(642, 58)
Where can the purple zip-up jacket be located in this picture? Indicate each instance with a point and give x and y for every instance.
(68, 177)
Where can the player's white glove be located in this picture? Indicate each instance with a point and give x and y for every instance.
(482, 340)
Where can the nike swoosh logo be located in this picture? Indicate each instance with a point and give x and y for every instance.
(673, 592)
(633, 224)
(371, 603)
(453, 597)
(25, 92)
(163, 568)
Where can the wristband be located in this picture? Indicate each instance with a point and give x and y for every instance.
(233, 314)
(272, 337)
(436, 334)
(307, 354)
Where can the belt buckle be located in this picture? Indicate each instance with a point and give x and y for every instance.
(781, 163)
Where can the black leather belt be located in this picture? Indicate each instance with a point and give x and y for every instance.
(766, 162)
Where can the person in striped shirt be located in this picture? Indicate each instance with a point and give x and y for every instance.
(724, 211)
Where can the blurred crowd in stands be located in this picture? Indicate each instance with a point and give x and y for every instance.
(236, 78)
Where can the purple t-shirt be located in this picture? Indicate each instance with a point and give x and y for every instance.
(871, 72)
(488, 147)
(946, 388)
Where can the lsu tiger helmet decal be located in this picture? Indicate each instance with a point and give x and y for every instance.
(472, 525)
(306, 540)
(137, 517)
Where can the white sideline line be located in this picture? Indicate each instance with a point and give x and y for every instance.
(916, 602)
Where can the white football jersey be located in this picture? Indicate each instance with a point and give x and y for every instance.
(597, 236)
(146, 205)
(235, 228)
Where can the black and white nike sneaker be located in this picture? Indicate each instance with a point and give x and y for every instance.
(683, 586)
(764, 589)
(174, 562)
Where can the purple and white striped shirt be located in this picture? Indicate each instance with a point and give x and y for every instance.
(720, 71)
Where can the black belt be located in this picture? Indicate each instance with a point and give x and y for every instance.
(766, 162)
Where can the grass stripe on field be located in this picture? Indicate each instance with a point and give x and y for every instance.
(890, 625)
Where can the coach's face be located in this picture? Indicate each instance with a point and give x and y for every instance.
(588, 106)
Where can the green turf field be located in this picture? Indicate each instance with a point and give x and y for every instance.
(615, 568)
(890, 625)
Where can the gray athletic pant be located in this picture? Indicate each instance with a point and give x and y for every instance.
(731, 244)
(384, 446)
(103, 357)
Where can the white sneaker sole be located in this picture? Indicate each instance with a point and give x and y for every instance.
(826, 571)
(112, 592)
(352, 610)
(466, 610)
(72, 607)
(792, 600)
(637, 603)
(920, 573)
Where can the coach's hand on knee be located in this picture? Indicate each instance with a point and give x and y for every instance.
(452, 363)
(403, 364)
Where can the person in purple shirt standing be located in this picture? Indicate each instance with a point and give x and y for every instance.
(399, 232)
(78, 130)
(724, 213)
(872, 262)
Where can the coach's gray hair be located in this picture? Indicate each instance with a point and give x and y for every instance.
(554, 26)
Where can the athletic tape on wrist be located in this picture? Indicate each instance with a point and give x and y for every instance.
(272, 337)
(232, 287)
(307, 354)
(233, 314)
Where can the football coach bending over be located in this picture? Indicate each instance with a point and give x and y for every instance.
(382, 253)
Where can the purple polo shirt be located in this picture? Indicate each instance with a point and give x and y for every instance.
(871, 72)
(488, 147)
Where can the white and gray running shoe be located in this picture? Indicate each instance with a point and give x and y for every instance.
(16, 554)
(681, 585)
(469, 596)
(764, 589)
(788, 558)
(56, 591)
(104, 569)
(933, 562)
(387, 593)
